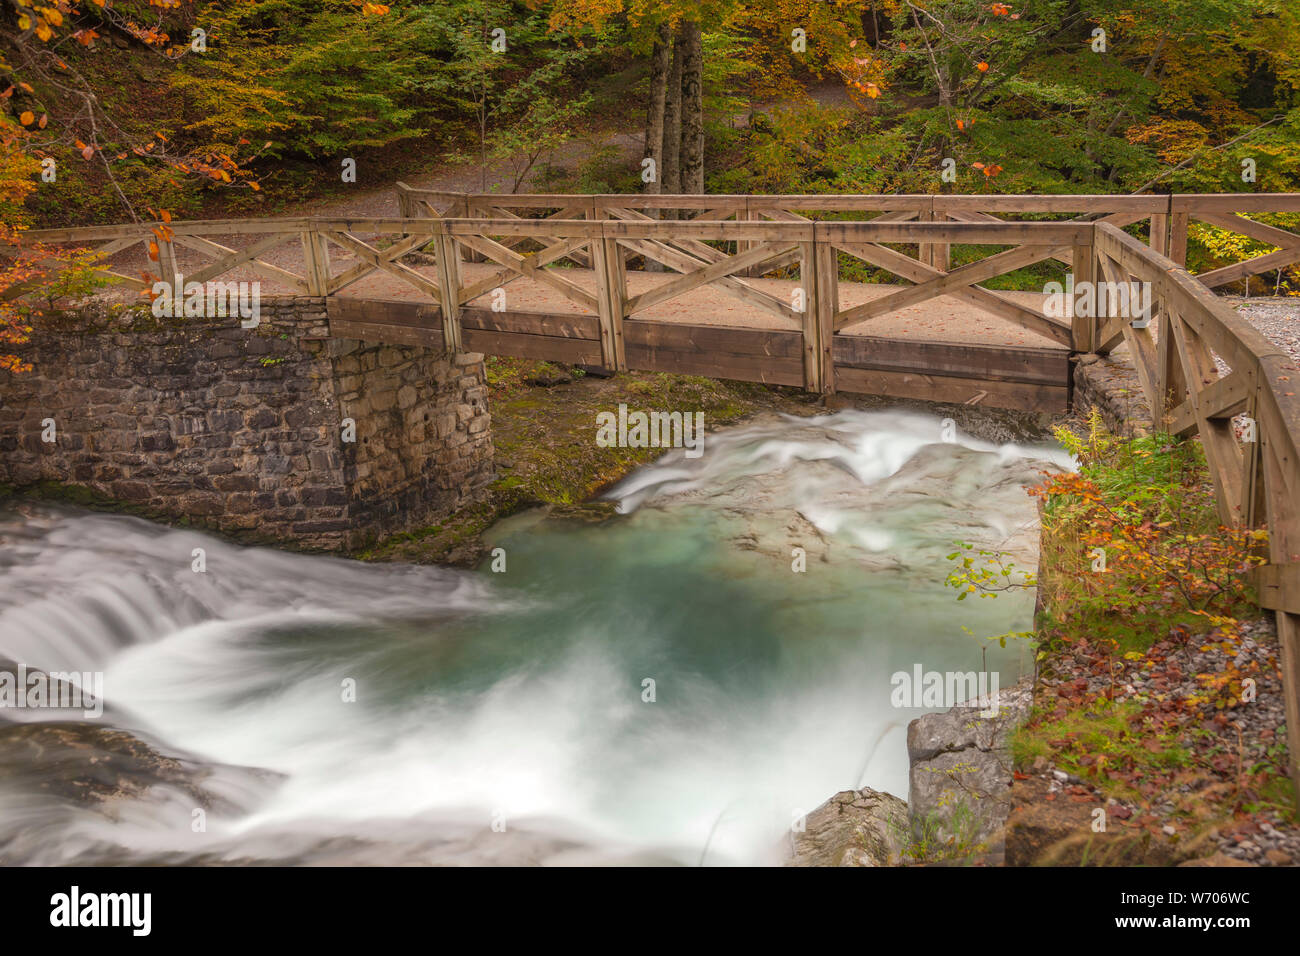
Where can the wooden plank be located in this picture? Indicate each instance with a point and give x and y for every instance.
(1178, 238)
(1200, 203)
(953, 390)
(565, 351)
(1143, 205)
(1223, 398)
(1222, 453)
(826, 264)
(316, 259)
(813, 367)
(1240, 270)
(1083, 329)
(386, 334)
(611, 298)
(747, 355)
(1008, 363)
(1255, 230)
(705, 340)
(449, 285)
(1005, 233)
(386, 312)
(550, 324)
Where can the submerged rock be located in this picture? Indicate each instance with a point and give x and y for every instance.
(852, 828)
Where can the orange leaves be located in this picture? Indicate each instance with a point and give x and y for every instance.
(374, 9)
(27, 117)
(988, 170)
(982, 66)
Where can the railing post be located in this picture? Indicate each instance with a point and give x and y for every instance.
(404, 204)
(940, 252)
(925, 250)
(827, 274)
(611, 296)
(1160, 233)
(469, 211)
(812, 350)
(1170, 380)
(168, 269)
(1083, 336)
(1178, 231)
(316, 256)
(448, 254)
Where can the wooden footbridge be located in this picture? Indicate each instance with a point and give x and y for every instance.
(753, 290)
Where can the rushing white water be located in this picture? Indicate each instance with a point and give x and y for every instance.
(502, 717)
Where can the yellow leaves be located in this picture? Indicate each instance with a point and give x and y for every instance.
(374, 9)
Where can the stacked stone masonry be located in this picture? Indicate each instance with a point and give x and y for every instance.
(246, 431)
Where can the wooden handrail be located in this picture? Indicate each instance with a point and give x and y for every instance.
(1256, 482)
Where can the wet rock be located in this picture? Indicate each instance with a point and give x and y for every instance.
(92, 764)
(852, 828)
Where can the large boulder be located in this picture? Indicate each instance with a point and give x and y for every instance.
(959, 784)
(852, 828)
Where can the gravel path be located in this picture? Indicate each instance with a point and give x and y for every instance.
(1279, 319)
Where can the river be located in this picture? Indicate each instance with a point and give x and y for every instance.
(659, 687)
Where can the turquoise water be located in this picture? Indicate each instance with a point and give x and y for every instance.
(506, 717)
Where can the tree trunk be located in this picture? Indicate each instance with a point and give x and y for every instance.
(672, 142)
(692, 155)
(654, 124)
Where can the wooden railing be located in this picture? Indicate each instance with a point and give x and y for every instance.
(1256, 481)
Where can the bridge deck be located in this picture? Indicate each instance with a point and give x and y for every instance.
(941, 350)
